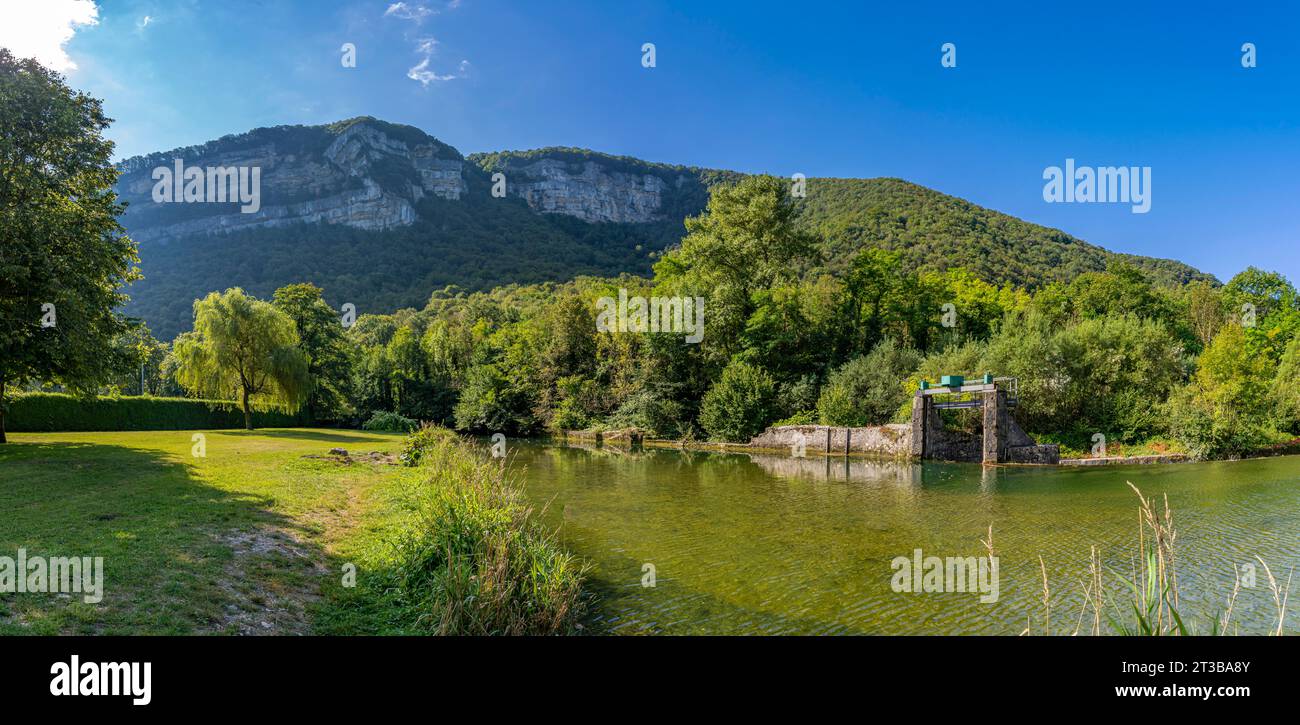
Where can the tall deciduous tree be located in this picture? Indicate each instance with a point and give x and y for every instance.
(749, 239)
(63, 256)
(324, 341)
(243, 346)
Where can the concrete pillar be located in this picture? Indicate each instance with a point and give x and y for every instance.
(995, 433)
(919, 417)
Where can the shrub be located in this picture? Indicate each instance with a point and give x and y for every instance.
(60, 412)
(740, 405)
(803, 417)
(648, 411)
(868, 390)
(797, 396)
(476, 563)
(386, 421)
(1106, 375)
(575, 394)
(420, 441)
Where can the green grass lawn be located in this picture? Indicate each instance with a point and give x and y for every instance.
(251, 538)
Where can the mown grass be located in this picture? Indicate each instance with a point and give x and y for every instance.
(467, 559)
(252, 537)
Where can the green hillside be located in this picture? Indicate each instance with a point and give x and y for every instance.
(934, 230)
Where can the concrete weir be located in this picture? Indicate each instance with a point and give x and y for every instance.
(1001, 439)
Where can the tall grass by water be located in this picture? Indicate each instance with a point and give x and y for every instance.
(474, 561)
(1149, 604)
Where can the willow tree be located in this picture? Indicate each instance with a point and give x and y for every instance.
(243, 346)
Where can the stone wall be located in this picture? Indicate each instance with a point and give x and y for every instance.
(894, 441)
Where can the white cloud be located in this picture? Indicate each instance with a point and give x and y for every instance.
(39, 29)
(408, 12)
(425, 76)
(426, 46)
(144, 22)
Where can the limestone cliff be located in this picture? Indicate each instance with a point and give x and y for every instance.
(362, 173)
(372, 175)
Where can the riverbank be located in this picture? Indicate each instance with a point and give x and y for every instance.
(468, 558)
(279, 532)
(888, 450)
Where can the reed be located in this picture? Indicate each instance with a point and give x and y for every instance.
(1154, 607)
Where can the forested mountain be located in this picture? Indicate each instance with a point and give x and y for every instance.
(934, 230)
(381, 215)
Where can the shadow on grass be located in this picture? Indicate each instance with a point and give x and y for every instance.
(180, 556)
(314, 435)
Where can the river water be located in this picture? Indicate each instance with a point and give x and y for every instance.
(750, 544)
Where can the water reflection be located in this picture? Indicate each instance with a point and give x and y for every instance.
(840, 468)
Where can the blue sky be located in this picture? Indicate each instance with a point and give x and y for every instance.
(849, 90)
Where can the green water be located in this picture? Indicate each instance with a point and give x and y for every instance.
(745, 544)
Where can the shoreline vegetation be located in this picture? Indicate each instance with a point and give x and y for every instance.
(470, 558)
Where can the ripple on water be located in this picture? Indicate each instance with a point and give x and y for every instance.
(770, 544)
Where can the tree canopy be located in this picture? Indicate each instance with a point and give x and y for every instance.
(243, 347)
(63, 256)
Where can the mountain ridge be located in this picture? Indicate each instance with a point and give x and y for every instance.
(382, 214)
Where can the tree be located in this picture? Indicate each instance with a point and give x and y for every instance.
(326, 344)
(1205, 308)
(247, 347)
(490, 403)
(740, 405)
(1267, 305)
(1226, 409)
(748, 239)
(64, 258)
(1286, 391)
(870, 294)
(1121, 290)
(142, 356)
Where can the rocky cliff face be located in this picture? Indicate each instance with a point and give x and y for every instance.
(371, 175)
(363, 173)
(587, 191)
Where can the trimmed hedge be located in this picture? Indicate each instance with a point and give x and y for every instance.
(60, 412)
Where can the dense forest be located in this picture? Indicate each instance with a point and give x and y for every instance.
(1145, 355)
